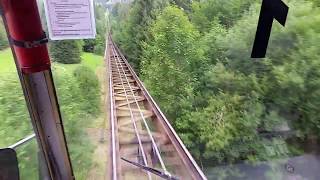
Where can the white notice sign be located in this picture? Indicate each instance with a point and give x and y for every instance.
(70, 19)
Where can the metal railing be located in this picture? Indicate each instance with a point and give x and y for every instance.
(22, 142)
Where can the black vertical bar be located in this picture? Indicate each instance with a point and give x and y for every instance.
(270, 9)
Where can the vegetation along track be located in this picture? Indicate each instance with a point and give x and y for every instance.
(143, 143)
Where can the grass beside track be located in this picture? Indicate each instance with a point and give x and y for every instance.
(90, 149)
(88, 59)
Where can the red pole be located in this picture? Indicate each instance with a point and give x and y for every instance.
(28, 44)
(24, 25)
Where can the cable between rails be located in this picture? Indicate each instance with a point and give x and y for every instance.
(131, 113)
(146, 125)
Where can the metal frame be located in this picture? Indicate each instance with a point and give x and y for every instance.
(22, 142)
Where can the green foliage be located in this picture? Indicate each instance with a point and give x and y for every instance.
(226, 12)
(88, 45)
(77, 114)
(184, 4)
(66, 51)
(7, 64)
(97, 45)
(197, 66)
(290, 75)
(217, 127)
(89, 89)
(99, 48)
(171, 60)
(213, 51)
(133, 31)
(16, 124)
(3, 36)
(92, 61)
(13, 114)
(315, 2)
(228, 125)
(72, 102)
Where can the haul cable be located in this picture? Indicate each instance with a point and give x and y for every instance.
(147, 126)
(131, 113)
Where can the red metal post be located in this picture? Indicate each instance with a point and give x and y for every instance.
(24, 24)
(27, 41)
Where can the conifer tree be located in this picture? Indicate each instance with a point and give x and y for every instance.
(66, 51)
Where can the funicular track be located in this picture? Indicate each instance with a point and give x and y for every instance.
(142, 140)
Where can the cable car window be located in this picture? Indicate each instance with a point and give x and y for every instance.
(178, 89)
(241, 118)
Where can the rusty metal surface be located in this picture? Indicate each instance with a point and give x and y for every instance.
(139, 130)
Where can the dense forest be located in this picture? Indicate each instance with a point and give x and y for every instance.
(194, 58)
(78, 88)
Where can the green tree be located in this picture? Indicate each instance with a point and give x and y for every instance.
(171, 61)
(228, 125)
(89, 89)
(223, 103)
(286, 82)
(66, 51)
(135, 29)
(289, 74)
(184, 4)
(97, 45)
(211, 47)
(226, 12)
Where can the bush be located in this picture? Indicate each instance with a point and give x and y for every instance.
(66, 51)
(78, 98)
(88, 45)
(15, 124)
(100, 45)
(75, 119)
(97, 45)
(88, 84)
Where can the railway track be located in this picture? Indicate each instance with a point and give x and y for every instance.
(143, 143)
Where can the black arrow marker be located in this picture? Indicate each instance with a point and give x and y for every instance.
(270, 9)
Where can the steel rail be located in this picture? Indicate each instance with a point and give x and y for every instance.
(147, 126)
(159, 135)
(131, 114)
(113, 125)
(177, 142)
